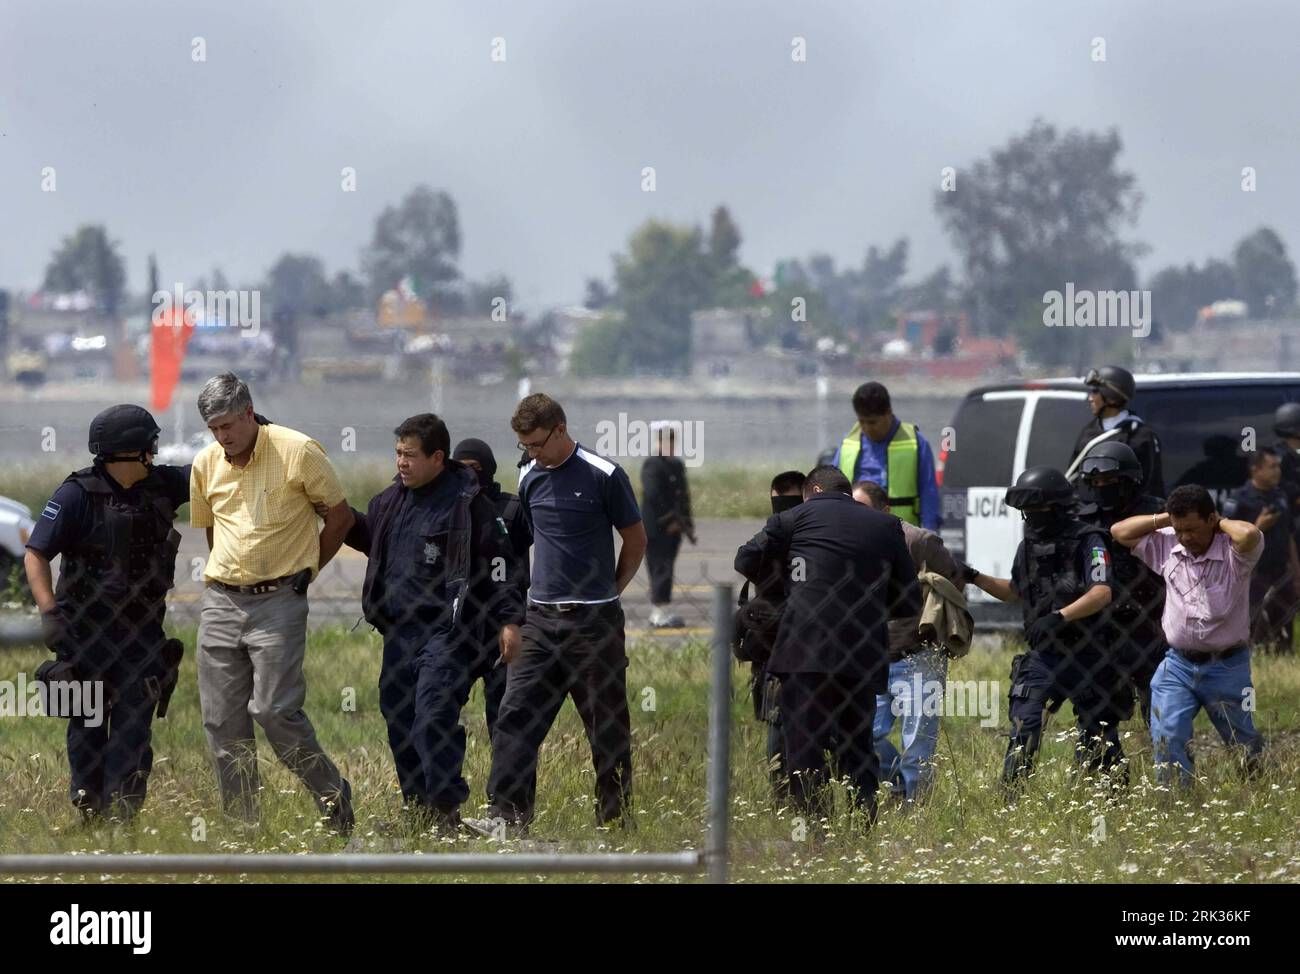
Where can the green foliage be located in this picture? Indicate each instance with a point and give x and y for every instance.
(419, 238)
(853, 301)
(1178, 293)
(1265, 274)
(1260, 273)
(296, 284)
(1043, 210)
(88, 261)
(667, 273)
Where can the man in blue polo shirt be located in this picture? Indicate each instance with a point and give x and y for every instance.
(893, 454)
(572, 641)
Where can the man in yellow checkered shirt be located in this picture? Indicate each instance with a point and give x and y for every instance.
(254, 491)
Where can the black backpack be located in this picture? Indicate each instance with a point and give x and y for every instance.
(757, 622)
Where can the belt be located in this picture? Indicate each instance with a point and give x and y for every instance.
(257, 588)
(569, 606)
(1208, 656)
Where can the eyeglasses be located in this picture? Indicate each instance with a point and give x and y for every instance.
(530, 447)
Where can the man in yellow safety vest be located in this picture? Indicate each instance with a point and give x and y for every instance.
(893, 454)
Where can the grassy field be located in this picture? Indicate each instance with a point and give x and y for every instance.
(717, 490)
(1062, 831)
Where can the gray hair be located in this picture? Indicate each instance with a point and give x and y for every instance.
(224, 395)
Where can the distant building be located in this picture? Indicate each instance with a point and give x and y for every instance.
(1228, 343)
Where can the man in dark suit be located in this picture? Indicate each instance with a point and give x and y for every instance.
(847, 570)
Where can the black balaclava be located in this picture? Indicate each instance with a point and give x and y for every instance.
(783, 502)
(473, 449)
(1046, 523)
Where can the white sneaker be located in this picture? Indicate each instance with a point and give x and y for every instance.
(662, 618)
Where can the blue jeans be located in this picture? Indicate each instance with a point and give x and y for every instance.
(915, 693)
(1179, 689)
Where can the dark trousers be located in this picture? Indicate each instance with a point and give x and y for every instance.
(1271, 615)
(1093, 683)
(766, 691)
(1140, 650)
(579, 654)
(110, 763)
(493, 675)
(424, 684)
(660, 557)
(834, 712)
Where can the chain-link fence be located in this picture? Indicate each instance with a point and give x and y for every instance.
(441, 702)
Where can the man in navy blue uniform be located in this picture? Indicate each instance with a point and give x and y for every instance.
(112, 524)
(440, 575)
(847, 572)
(1063, 578)
(572, 643)
(478, 456)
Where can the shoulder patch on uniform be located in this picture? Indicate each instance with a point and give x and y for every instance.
(51, 510)
(600, 463)
(1100, 556)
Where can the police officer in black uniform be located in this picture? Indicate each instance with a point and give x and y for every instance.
(1110, 390)
(1062, 573)
(1111, 484)
(478, 456)
(112, 524)
(1286, 424)
(1275, 582)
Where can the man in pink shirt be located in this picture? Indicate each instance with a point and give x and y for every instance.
(1206, 562)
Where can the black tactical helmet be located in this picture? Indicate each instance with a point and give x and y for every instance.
(1116, 385)
(1112, 457)
(123, 429)
(1286, 421)
(1040, 485)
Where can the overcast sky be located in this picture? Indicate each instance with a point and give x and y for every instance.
(235, 160)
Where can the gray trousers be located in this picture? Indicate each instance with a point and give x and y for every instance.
(250, 669)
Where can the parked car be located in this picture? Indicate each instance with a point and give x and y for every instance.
(16, 526)
(1202, 420)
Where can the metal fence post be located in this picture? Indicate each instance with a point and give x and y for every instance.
(719, 752)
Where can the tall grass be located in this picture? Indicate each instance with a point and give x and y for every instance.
(1225, 829)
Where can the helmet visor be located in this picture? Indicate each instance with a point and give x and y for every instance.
(1099, 465)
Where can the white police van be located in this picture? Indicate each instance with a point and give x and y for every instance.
(1202, 420)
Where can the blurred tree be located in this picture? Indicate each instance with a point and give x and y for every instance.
(296, 285)
(481, 295)
(662, 278)
(347, 292)
(724, 240)
(668, 272)
(1265, 274)
(418, 239)
(88, 261)
(937, 292)
(1039, 212)
(597, 295)
(1178, 293)
(604, 347)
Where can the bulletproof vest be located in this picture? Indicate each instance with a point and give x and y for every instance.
(1138, 590)
(128, 554)
(1051, 566)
